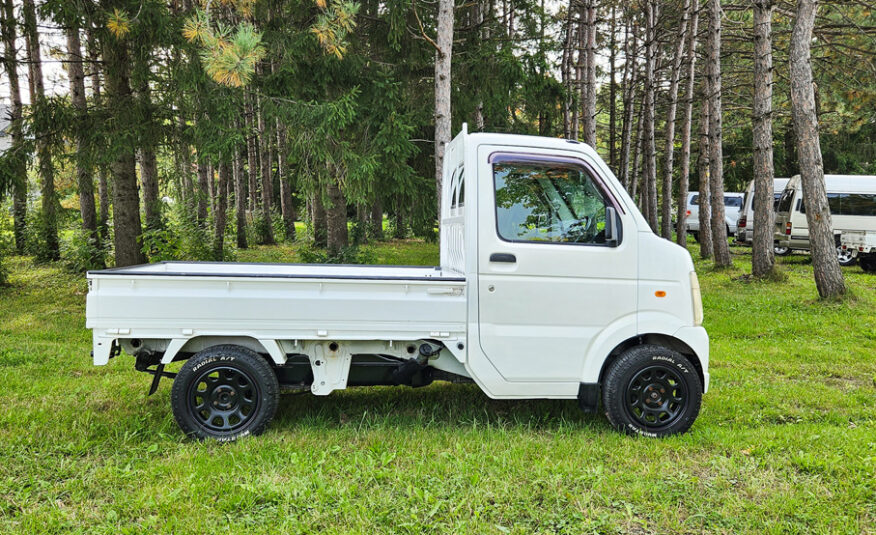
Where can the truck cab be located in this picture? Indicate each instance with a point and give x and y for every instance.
(551, 285)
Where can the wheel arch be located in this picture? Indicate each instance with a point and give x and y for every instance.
(657, 339)
(267, 346)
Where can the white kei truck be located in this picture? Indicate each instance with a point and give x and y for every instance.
(551, 285)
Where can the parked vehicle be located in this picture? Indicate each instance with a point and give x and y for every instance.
(551, 285)
(852, 201)
(732, 206)
(745, 224)
(862, 245)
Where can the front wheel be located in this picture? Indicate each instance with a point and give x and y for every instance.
(652, 391)
(224, 392)
(845, 257)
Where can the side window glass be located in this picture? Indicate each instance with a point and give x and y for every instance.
(548, 202)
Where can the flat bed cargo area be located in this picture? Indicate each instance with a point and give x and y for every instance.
(261, 270)
(283, 302)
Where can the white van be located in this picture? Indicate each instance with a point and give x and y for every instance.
(732, 206)
(852, 201)
(745, 224)
(551, 285)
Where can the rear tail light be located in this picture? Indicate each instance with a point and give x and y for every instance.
(742, 222)
(688, 213)
(844, 247)
(788, 228)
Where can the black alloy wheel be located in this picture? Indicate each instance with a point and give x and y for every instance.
(225, 392)
(652, 390)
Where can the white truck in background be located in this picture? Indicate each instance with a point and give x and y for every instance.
(861, 244)
(551, 285)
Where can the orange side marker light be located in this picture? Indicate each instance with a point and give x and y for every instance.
(660, 293)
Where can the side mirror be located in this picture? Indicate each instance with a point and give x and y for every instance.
(612, 227)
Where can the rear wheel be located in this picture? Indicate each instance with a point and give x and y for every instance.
(845, 257)
(224, 392)
(652, 391)
(868, 263)
(696, 236)
(781, 251)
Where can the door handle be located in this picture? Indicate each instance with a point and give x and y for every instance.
(503, 257)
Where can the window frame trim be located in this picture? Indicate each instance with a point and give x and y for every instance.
(532, 158)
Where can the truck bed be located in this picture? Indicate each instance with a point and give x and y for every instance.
(173, 300)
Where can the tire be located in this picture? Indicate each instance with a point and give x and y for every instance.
(696, 236)
(225, 392)
(868, 263)
(781, 251)
(659, 372)
(845, 257)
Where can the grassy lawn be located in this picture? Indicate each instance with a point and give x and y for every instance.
(785, 443)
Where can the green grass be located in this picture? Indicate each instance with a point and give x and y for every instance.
(785, 443)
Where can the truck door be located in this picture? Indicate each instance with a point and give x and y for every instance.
(549, 280)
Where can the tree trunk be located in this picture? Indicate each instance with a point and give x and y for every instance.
(629, 98)
(220, 212)
(240, 197)
(637, 155)
(716, 155)
(828, 275)
(649, 159)
(126, 199)
(49, 197)
(612, 94)
(148, 161)
(669, 148)
(762, 257)
(76, 76)
(683, 178)
(203, 190)
(376, 219)
(336, 218)
(588, 114)
(566, 70)
(444, 41)
(318, 221)
(286, 203)
(267, 185)
(705, 212)
(102, 182)
(19, 171)
(251, 153)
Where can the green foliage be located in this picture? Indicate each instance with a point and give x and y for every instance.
(81, 253)
(182, 239)
(347, 255)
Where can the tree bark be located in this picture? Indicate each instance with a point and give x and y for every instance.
(102, 182)
(762, 256)
(705, 212)
(588, 112)
(828, 275)
(220, 213)
(566, 70)
(49, 198)
(629, 98)
(376, 219)
(318, 221)
(612, 94)
(286, 205)
(126, 199)
(147, 139)
(240, 197)
(637, 155)
(336, 218)
(203, 190)
(85, 184)
(251, 153)
(19, 179)
(444, 42)
(266, 164)
(683, 178)
(669, 148)
(716, 155)
(649, 157)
